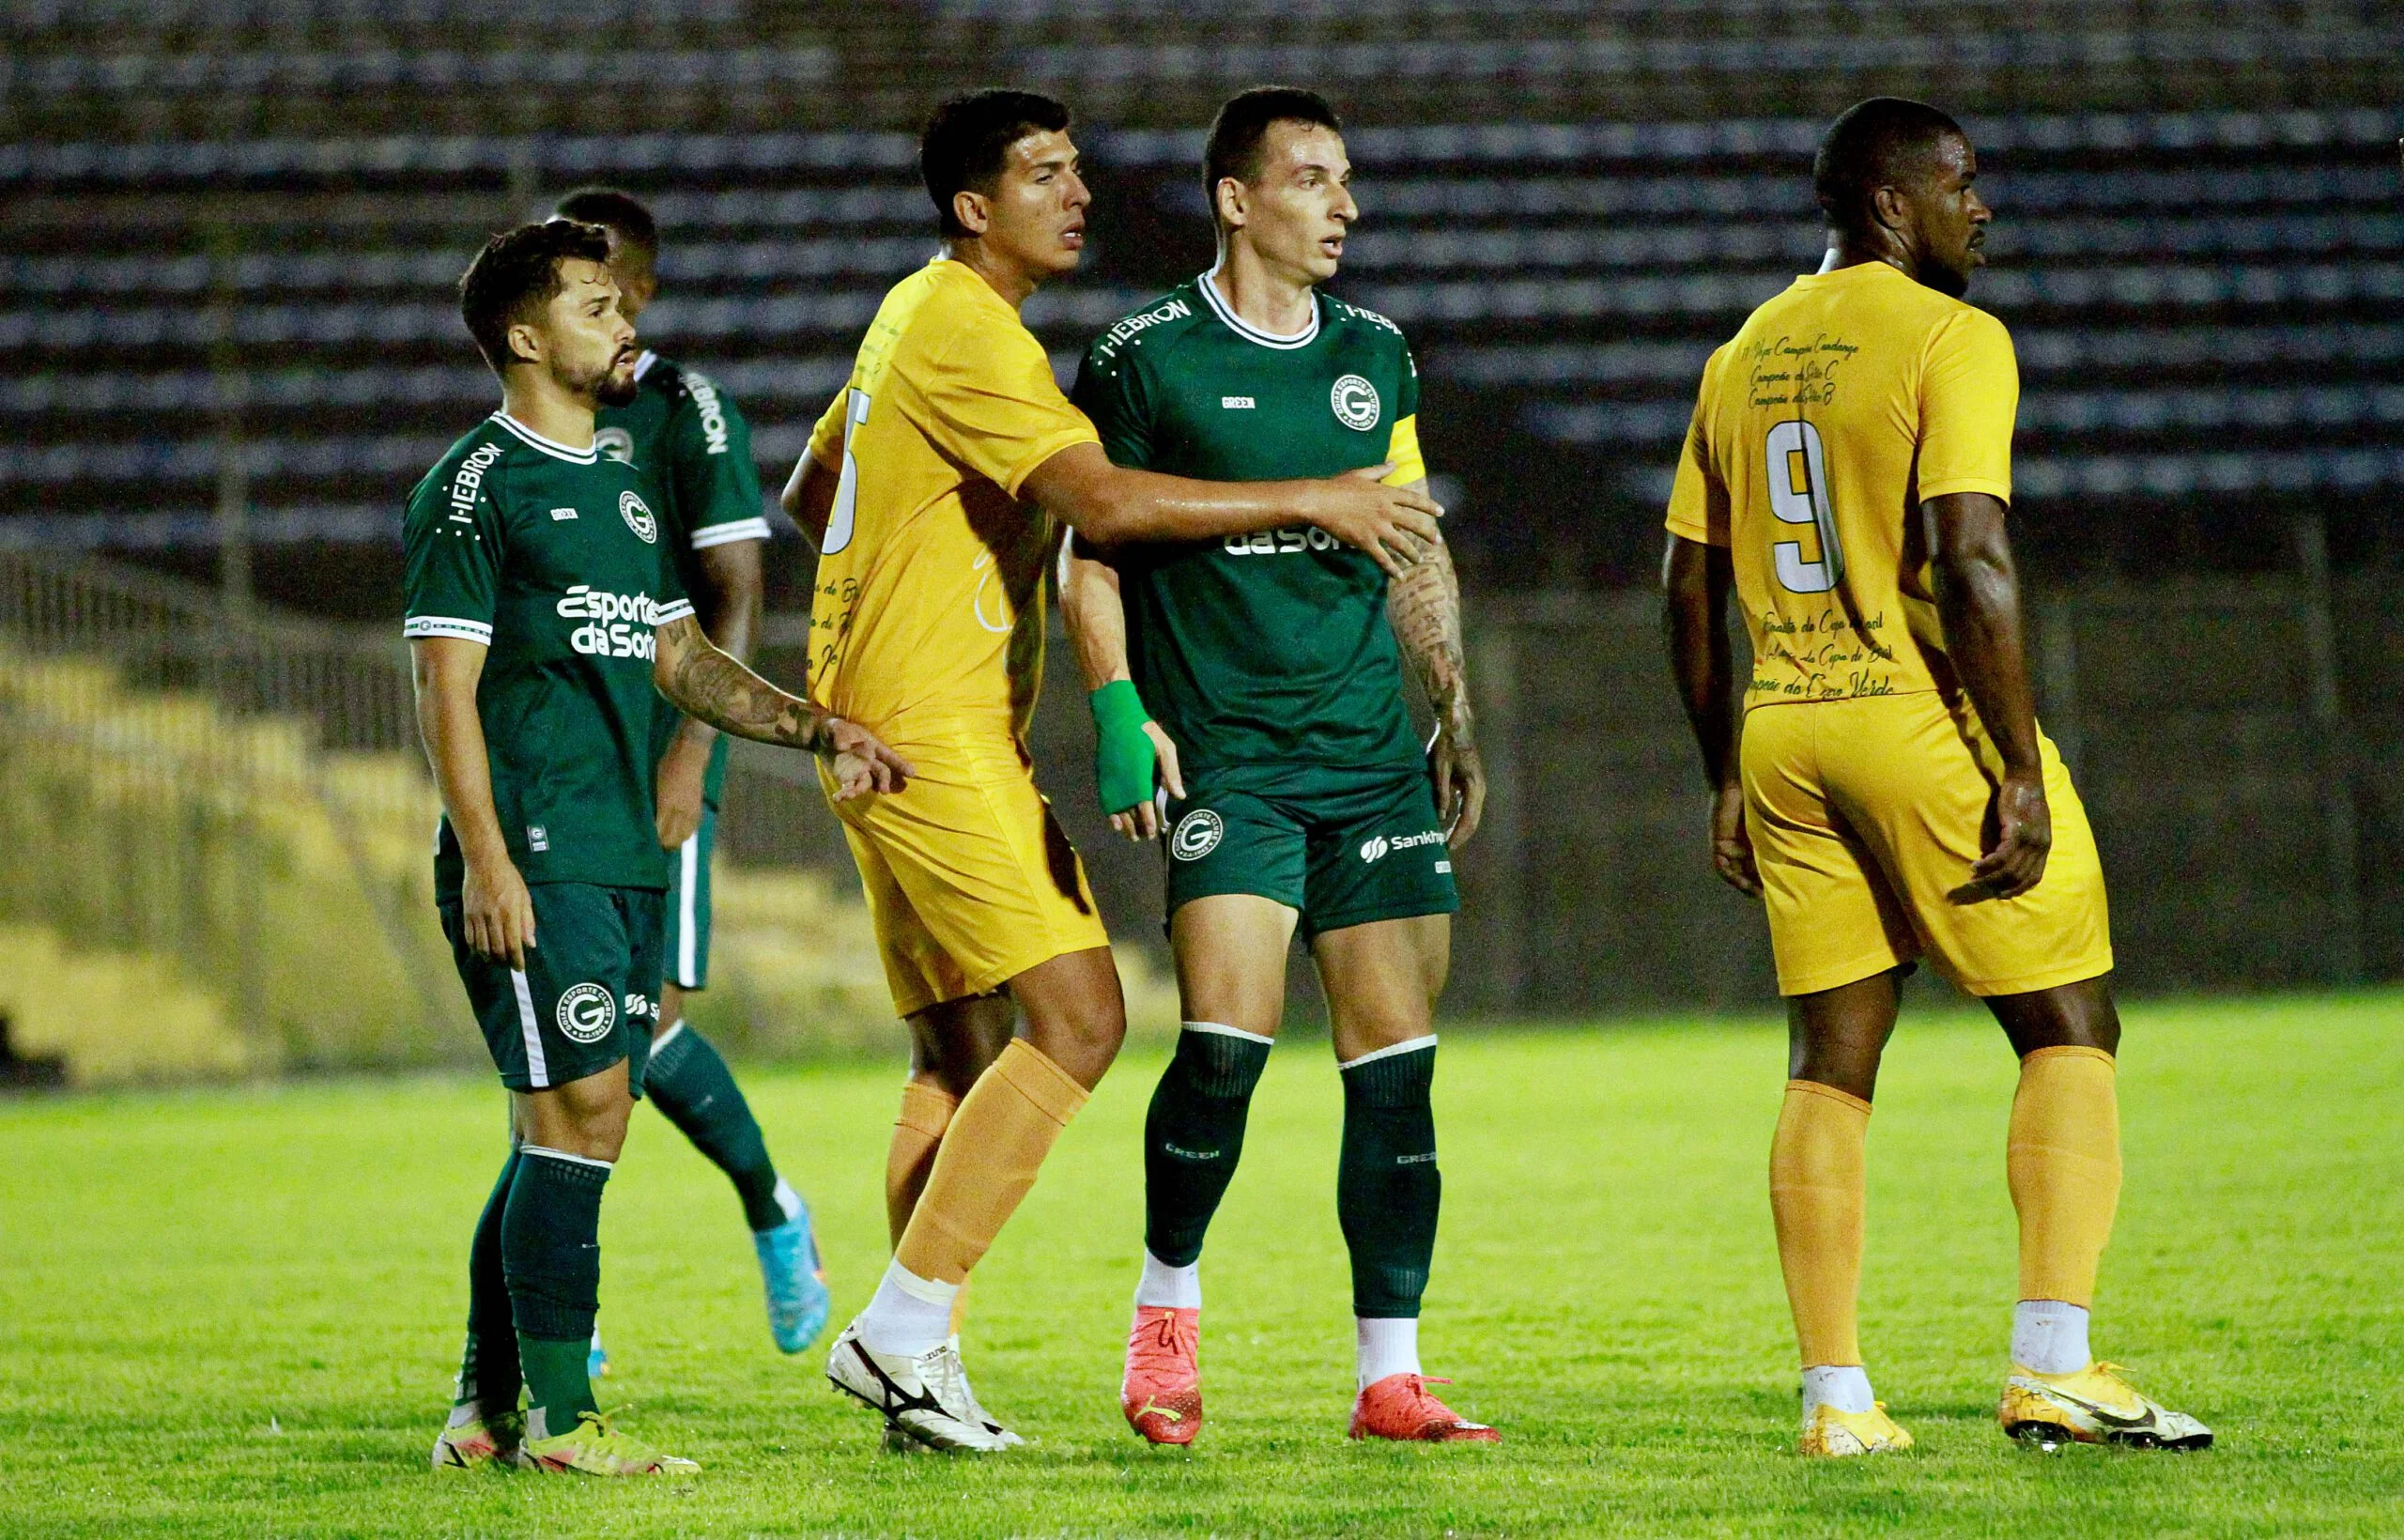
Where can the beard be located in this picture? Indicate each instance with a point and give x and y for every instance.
(605, 385)
(1946, 279)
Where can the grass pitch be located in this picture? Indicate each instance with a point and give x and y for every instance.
(236, 1313)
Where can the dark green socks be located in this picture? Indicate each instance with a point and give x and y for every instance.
(1387, 1188)
(689, 1081)
(551, 1249)
(489, 1373)
(1193, 1135)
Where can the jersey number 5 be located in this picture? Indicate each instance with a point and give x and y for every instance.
(1799, 494)
(845, 510)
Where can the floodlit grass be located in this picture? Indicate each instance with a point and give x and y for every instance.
(236, 1313)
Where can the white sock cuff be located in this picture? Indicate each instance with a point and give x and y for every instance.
(1412, 1046)
(787, 1200)
(563, 1155)
(1844, 1386)
(667, 1036)
(925, 1290)
(1223, 1030)
(1165, 1287)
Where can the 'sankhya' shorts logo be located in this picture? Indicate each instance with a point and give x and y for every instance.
(1356, 404)
(637, 517)
(586, 1012)
(617, 443)
(1196, 835)
(1373, 847)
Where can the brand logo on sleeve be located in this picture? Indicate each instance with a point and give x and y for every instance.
(1196, 835)
(637, 517)
(1356, 403)
(704, 393)
(586, 1013)
(617, 443)
(467, 482)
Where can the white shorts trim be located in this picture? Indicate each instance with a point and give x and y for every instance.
(538, 1070)
(688, 857)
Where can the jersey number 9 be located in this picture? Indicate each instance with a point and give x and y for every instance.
(1799, 494)
(845, 510)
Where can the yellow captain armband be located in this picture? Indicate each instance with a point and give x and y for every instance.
(1402, 452)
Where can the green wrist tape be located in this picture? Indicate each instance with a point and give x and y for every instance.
(1123, 757)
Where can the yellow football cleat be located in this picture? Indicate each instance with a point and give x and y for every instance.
(1828, 1433)
(596, 1449)
(2093, 1406)
(486, 1441)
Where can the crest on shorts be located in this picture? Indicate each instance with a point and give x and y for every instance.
(586, 1013)
(1196, 835)
(1356, 403)
(637, 517)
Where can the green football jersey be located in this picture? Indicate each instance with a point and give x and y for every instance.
(690, 438)
(557, 560)
(1269, 648)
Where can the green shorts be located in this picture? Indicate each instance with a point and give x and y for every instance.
(589, 996)
(1341, 847)
(688, 905)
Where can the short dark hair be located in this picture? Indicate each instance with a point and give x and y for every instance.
(1233, 148)
(517, 274)
(964, 143)
(1875, 143)
(617, 211)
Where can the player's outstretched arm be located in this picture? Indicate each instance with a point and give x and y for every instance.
(1423, 606)
(1112, 505)
(1129, 747)
(700, 680)
(1978, 600)
(727, 603)
(1695, 581)
(494, 906)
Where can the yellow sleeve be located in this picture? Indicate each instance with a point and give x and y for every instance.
(994, 407)
(1402, 452)
(826, 438)
(1699, 496)
(1969, 394)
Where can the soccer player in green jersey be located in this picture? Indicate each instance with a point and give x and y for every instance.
(546, 621)
(1296, 790)
(688, 435)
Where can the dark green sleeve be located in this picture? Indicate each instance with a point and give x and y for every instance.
(453, 540)
(1111, 392)
(717, 487)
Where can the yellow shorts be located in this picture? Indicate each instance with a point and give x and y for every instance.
(1866, 816)
(969, 880)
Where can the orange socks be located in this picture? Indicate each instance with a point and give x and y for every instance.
(1817, 1198)
(2063, 1156)
(995, 1144)
(918, 1133)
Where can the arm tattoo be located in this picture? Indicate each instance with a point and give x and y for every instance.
(710, 687)
(1424, 606)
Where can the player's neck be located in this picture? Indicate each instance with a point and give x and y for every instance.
(1279, 304)
(1846, 251)
(536, 403)
(1008, 279)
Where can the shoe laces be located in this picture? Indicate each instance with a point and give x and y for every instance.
(609, 1440)
(1162, 1344)
(1425, 1405)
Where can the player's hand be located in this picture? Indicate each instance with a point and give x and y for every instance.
(862, 763)
(1395, 525)
(2014, 861)
(1732, 847)
(1143, 820)
(1460, 777)
(497, 912)
(682, 770)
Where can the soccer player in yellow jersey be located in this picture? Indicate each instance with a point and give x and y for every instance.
(1848, 471)
(931, 488)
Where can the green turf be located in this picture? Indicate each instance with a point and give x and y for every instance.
(236, 1313)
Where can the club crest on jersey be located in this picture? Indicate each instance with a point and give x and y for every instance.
(637, 517)
(617, 443)
(1356, 403)
(1196, 835)
(586, 1013)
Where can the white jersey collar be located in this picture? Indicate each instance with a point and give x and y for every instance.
(549, 446)
(1245, 329)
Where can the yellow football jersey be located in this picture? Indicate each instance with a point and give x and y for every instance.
(1839, 407)
(929, 614)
